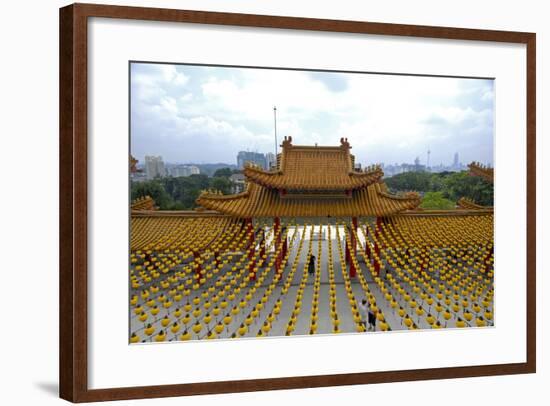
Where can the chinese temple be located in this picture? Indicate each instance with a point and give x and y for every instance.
(311, 181)
(301, 249)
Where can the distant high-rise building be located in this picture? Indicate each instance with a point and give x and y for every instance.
(184, 170)
(456, 164)
(428, 160)
(271, 160)
(194, 170)
(154, 167)
(255, 157)
(239, 182)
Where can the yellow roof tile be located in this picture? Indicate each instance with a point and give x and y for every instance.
(314, 168)
(259, 201)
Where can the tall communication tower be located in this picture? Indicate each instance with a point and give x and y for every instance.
(428, 161)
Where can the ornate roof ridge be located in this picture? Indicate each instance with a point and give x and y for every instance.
(469, 204)
(215, 194)
(143, 203)
(250, 166)
(383, 191)
(406, 196)
(369, 170)
(478, 169)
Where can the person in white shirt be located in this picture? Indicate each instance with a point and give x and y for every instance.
(363, 311)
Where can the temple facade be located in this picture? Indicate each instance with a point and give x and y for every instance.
(301, 250)
(311, 181)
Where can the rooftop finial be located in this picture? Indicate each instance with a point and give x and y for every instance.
(287, 142)
(344, 142)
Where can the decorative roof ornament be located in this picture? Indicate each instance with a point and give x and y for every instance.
(344, 143)
(133, 163)
(143, 203)
(287, 142)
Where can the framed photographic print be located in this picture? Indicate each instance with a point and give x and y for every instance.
(256, 202)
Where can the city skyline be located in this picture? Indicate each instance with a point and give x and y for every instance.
(267, 159)
(235, 163)
(196, 114)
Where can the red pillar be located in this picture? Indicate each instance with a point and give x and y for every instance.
(346, 250)
(376, 261)
(367, 245)
(262, 245)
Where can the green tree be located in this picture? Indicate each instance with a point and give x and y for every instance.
(222, 184)
(223, 172)
(462, 184)
(453, 185)
(436, 183)
(416, 181)
(436, 201)
(185, 190)
(153, 188)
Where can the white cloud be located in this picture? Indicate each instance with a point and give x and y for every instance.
(385, 117)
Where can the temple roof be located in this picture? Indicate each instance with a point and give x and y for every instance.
(143, 203)
(465, 203)
(258, 201)
(485, 172)
(133, 163)
(314, 168)
(193, 231)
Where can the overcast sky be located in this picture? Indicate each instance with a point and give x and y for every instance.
(208, 114)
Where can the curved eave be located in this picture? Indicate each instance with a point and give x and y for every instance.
(262, 202)
(143, 203)
(444, 212)
(389, 204)
(467, 204)
(279, 180)
(482, 171)
(233, 205)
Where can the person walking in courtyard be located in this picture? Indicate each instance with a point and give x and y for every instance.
(364, 311)
(311, 265)
(372, 320)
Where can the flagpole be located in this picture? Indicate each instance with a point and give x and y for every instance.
(275, 126)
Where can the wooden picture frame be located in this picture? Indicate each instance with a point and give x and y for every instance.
(74, 201)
